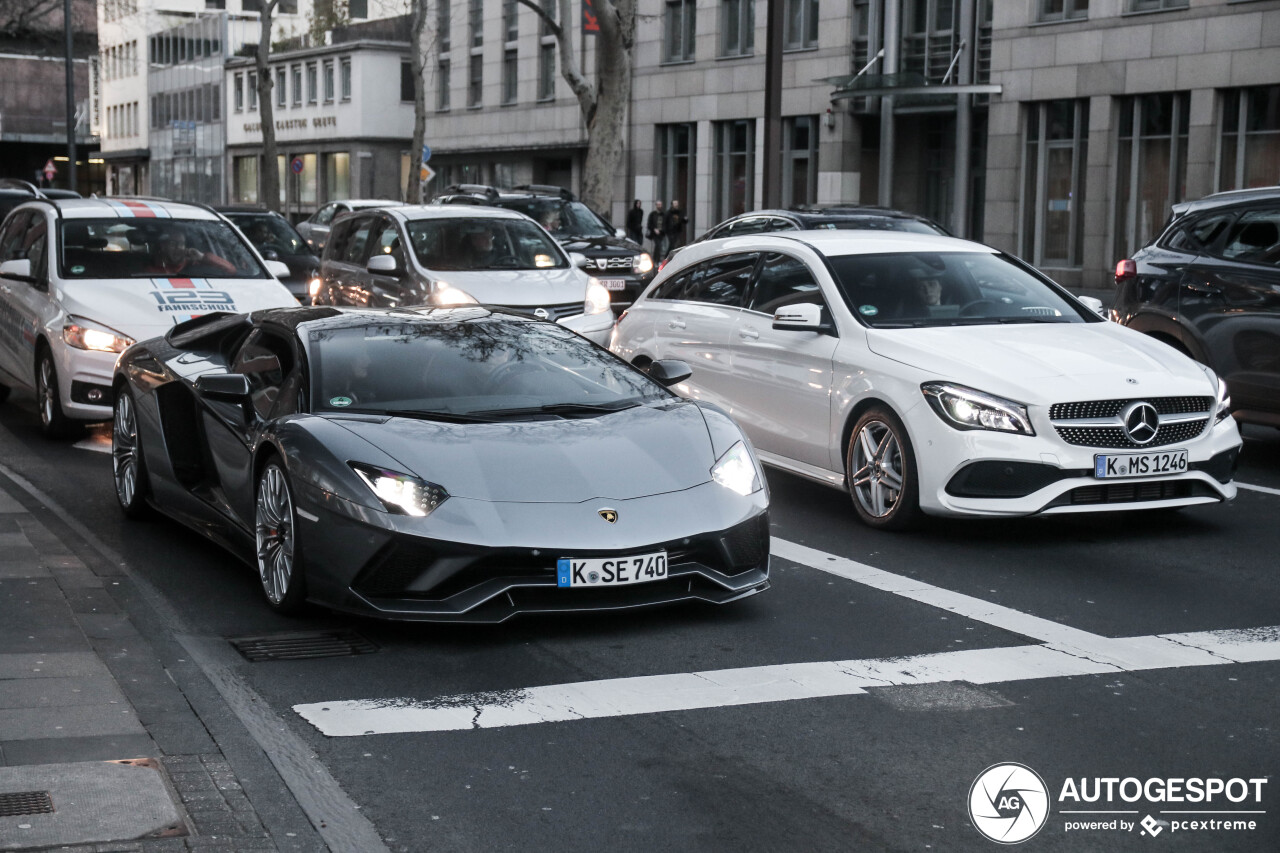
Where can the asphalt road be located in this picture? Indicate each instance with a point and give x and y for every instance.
(957, 623)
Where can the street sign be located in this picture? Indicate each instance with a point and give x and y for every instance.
(296, 165)
(426, 173)
(50, 170)
(426, 153)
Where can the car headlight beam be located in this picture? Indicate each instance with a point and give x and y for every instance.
(965, 408)
(400, 493)
(642, 263)
(736, 471)
(1224, 401)
(597, 301)
(86, 334)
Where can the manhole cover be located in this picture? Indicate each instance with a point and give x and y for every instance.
(25, 802)
(303, 646)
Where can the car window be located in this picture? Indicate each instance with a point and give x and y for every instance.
(325, 214)
(750, 225)
(11, 243)
(883, 223)
(783, 280)
(266, 360)
(269, 233)
(1199, 234)
(1254, 237)
(36, 243)
(483, 244)
(564, 219)
(722, 281)
(134, 248)
(777, 223)
(906, 289)
(388, 241)
(356, 248)
(674, 287)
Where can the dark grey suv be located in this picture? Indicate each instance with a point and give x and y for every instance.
(1209, 286)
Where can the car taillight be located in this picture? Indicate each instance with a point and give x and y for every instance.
(1125, 270)
(662, 264)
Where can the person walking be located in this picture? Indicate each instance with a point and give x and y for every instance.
(635, 223)
(657, 231)
(673, 226)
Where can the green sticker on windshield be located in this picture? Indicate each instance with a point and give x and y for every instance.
(340, 402)
(77, 269)
(868, 310)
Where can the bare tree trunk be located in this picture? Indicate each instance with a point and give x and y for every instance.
(604, 104)
(268, 175)
(418, 59)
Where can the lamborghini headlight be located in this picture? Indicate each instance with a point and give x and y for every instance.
(401, 493)
(736, 471)
(86, 334)
(965, 408)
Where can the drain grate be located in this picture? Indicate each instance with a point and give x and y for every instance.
(24, 803)
(303, 646)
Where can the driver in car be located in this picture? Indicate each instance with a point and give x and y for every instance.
(173, 257)
(478, 250)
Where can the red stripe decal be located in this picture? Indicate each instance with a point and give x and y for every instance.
(139, 209)
(182, 282)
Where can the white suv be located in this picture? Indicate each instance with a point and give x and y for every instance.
(82, 279)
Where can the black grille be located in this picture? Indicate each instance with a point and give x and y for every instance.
(25, 803)
(747, 545)
(303, 646)
(554, 312)
(1113, 408)
(1115, 437)
(1115, 493)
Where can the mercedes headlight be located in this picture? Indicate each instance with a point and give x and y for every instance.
(86, 334)
(642, 263)
(401, 493)
(736, 471)
(1224, 401)
(597, 301)
(965, 408)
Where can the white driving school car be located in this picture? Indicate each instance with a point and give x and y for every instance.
(82, 279)
(928, 374)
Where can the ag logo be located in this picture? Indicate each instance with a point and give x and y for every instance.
(1008, 803)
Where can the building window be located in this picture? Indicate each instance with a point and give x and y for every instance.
(929, 44)
(312, 87)
(799, 160)
(733, 183)
(475, 80)
(328, 82)
(1155, 5)
(678, 30)
(1062, 10)
(406, 81)
(737, 27)
(800, 27)
(296, 73)
(337, 175)
(442, 85)
(357, 9)
(238, 87)
(1151, 166)
(475, 22)
(510, 20)
(282, 87)
(252, 83)
(1053, 182)
(345, 78)
(1250, 138)
(547, 70)
(676, 164)
(246, 178)
(510, 76)
(442, 26)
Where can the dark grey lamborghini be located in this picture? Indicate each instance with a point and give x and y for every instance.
(459, 464)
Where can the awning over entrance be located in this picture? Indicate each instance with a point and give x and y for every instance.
(900, 85)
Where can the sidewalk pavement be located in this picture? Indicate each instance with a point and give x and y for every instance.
(99, 748)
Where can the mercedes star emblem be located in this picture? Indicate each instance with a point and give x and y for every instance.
(609, 515)
(1141, 423)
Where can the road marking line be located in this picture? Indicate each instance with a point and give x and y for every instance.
(1263, 489)
(755, 685)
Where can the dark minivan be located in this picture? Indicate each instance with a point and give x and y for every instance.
(1209, 286)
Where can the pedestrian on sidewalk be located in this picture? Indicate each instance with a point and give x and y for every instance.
(673, 226)
(657, 231)
(635, 223)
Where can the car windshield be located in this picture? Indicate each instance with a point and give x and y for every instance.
(169, 248)
(269, 233)
(910, 289)
(483, 244)
(566, 220)
(477, 369)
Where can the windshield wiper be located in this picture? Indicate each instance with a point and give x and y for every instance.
(566, 409)
(448, 417)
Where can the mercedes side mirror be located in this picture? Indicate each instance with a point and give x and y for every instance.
(1093, 304)
(19, 269)
(802, 317)
(279, 269)
(382, 265)
(669, 371)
